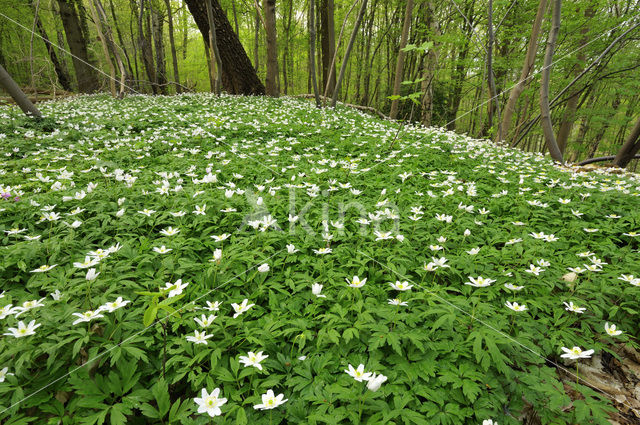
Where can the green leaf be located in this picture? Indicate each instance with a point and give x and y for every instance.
(150, 315)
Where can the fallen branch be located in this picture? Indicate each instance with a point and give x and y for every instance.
(359, 107)
(601, 159)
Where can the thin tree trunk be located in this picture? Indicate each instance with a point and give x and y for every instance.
(71, 22)
(172, 44)
(545, 112)
(493, 99)
(568, 117)
(429, 71)
(105, 49)
(10, 86)
(256, 42)
(400, 60)
(630, 147)
(214, 53)
(271, 82)
(312, 52)
(61, 72)
(523, 81)
(111, 44)
(146, 50)
(235, 16)
(121, 41)
(345, 59)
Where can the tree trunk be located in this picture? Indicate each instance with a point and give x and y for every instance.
(523, 81)
(145, 49)
(121, 41)
(256, 42)
(172, 44)
(312, 52)
(214, 53)
(545, 113)
(10, 86)
(85, 74)
(568, 117)
(111, 45)
(328, 44)
(238, 76)
(158, 41)
(630, 147)
(271, 82)
(491, 83)
(61, 72)
(400, 60)
(105, 47)
(429, 66)
(345, 59)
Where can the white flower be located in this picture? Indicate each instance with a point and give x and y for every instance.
(56, 295)
(479, 282)
(473, 251)
(23, 330)
(210, 403)
(217, 255)
(316, 290)
(572, 307)
(513, 287)
(4, 372)
(323, 251)
(220, 238)
(241, 308)
(91, 274)
(213, 306)
(113, 306)
(263, 268)
(162, 250)
(533, 269)
(146, 212)
(175, 288)
(169, 231)
(87, 316)
(291, 249)
(205, 321)
(28, 305)
(355, 282)
(253, 359)
(358, 374)
(489, 422)
(200, 210)
(401, 286)
(375, 382)
(8, 310)
(43, 268)
(88, 262)
(612, 329)
(515, 306)
(397, 302)
(576, 353)
(270, 401)
(199, 337)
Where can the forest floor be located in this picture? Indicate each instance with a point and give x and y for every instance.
(154, 249)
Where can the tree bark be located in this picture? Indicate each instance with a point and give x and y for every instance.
(10, 86)
(345, 59)
(85, 74)
(214, 53)
(568, 117)
(158, 41)
(271, 82)
(400, 60)
(630, 147)
(105, 48)
(146, 49)
(523, 81)
(493, 106)
(312, 52)
(328, 44)
(238, 75)
(121, 41)
(61, 72)
(545, 112)
(429, 68)
(172, 44)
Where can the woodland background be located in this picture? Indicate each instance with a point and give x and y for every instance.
(473, 66)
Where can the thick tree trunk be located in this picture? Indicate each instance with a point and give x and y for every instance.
(10, 86)
(630, 147)
(400, 60)
(545, 112)
(61, 72)
(345, 59)
(85, 74)
(271, 82)
(172, 44)
(328, 45)
(238, 75)
(523, 81)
